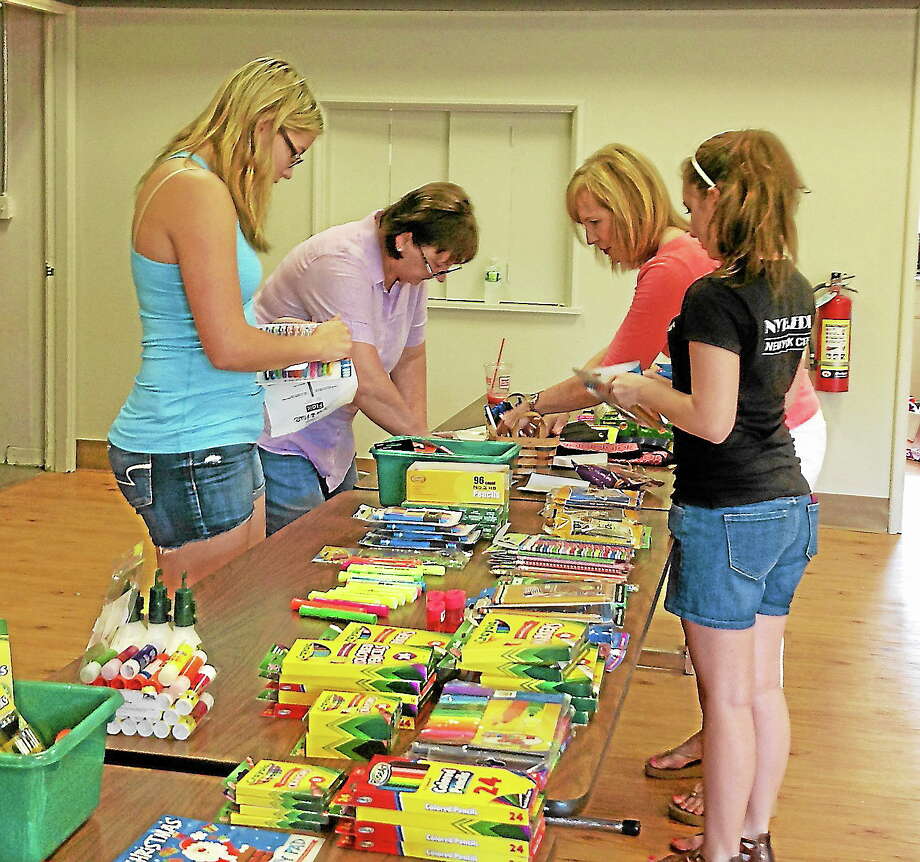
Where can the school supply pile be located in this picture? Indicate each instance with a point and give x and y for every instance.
(601, 604)
(342, 557)
(279, 795)
(388, 660)
(422, 529)
(157, 664)
(441, 810)
(521, 731)
(559, 559)
(301, 394)
(172, 837)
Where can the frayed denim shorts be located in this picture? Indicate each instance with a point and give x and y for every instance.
(730, 564)
(189, 496)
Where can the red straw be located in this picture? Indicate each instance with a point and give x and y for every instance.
(498, 363)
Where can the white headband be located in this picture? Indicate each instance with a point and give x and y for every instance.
(702, 174)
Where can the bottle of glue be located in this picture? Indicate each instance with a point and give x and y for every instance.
(158, 605)
(134, 631)
(183, 619)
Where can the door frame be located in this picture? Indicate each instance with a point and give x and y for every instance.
(59, 120)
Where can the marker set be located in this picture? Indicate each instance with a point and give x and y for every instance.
(522, 731)
(341, 368)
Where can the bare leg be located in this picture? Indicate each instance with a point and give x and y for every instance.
(207, 555)
(724, 662)
(771, 721)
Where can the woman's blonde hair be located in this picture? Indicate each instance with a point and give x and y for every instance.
(753, 223)
(263, 89)
(628, 184)
(436, 214)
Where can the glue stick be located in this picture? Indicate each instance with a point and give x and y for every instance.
(184, 727)
(170, 671)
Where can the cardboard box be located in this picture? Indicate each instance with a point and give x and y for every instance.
(455, 483)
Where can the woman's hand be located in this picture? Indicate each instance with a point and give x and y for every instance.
(334, 339)
(627, 389)
(518, 421)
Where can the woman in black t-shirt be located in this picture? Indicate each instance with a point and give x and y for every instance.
(744, 523)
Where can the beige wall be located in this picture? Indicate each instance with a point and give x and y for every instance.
(22, 250)
(836, 86)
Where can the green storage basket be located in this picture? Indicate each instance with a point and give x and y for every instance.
(392, 465)
(48, 796)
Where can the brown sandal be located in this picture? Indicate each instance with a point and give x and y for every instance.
(758, 850)
(691, 769)
(682, 815)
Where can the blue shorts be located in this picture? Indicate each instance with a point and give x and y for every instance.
(189, 496)
(293, 488)
(733, 563)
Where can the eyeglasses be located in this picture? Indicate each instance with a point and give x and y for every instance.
(431, 272)
(296, 157)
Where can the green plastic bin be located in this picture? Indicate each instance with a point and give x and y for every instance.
(392, 465)
(46, 797)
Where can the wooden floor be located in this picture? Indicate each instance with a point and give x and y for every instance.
(852, 674)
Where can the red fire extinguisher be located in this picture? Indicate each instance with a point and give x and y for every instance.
(832, 353)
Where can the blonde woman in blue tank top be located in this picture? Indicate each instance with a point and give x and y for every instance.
(183, 446)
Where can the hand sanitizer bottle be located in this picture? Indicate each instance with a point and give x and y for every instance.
(492, 281)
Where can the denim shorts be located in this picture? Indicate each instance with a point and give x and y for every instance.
(294, 487)
(189, 496)
(731, 564)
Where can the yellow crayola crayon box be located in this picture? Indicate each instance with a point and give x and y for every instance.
(433, 843)
(271, 781)
(452, 482)
(356, 725)
(520, 638)
(393, 635)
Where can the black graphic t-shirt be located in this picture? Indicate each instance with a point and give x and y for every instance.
(768, 330)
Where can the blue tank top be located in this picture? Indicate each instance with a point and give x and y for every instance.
(180, 402)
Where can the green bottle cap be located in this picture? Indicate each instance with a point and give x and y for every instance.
(137, 611)
(3, 629)
(159, 604)
(184, 614)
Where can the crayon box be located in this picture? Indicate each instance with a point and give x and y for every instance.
(352, 725)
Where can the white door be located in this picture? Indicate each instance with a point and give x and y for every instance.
(22, 245)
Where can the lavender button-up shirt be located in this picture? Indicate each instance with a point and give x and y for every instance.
(340, 271)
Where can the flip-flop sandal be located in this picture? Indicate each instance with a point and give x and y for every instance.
(691, 769)
(673, 845)
(681, 815)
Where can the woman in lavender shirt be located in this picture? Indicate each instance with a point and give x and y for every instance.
(371, 274)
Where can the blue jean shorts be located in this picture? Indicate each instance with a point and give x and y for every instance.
(189, 496)
(733, 563)
(294, 487)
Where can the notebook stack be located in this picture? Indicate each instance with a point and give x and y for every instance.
(439, 810)
(280, 795)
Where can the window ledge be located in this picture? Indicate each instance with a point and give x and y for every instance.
(526, 307)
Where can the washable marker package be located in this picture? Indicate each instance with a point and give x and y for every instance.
(352, 725)
(519, 638)
(394, 635)
(173, 838)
